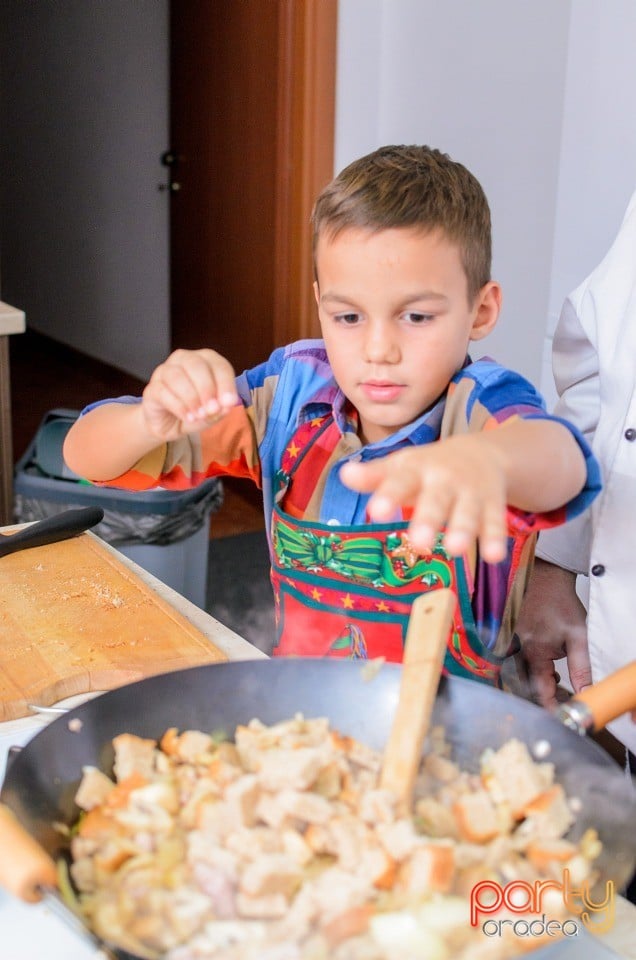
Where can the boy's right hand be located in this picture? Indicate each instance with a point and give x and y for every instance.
(187, 392)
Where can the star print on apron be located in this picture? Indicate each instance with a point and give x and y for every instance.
(347, 591)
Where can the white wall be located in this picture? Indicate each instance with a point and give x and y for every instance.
(534, 96)
(597, 173)
(484, 82)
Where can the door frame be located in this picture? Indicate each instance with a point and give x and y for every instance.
(305, 154)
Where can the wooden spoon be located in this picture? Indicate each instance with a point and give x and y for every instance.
(29, 873)
(426, 638)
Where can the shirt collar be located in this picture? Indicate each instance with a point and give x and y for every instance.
(330, 400)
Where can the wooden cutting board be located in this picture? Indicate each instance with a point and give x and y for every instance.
(74, 618)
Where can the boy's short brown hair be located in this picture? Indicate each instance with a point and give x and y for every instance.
(411, 186)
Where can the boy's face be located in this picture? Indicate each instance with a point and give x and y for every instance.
(396, 320)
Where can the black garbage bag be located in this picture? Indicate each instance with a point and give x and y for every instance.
(44, 486)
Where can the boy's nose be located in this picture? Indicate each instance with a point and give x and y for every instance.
(381, 343)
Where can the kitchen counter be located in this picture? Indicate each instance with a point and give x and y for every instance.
(79, 616)
(34, 932)
(235, 647)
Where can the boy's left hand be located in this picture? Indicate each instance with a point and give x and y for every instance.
(457, 484)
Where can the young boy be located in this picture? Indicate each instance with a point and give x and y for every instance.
(371, 442)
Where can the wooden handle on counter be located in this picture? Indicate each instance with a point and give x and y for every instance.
(612, 697)
(426, 638)
(26, 870)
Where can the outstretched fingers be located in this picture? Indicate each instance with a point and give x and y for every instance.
(466, 510)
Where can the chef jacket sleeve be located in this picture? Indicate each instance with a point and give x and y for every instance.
(575, 364)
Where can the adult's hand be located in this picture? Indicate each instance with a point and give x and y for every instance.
(551, 625)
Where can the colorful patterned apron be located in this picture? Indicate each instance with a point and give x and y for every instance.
(347, 591)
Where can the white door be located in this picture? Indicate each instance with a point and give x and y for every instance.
(84, 230)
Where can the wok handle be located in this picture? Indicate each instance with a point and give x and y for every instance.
(609, 698)
(26, 870)
(426, 638)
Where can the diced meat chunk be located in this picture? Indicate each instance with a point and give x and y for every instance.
(133, 755)
(93, 789)
(399, 838)
(513, 777)
(241, 800)
(431, 868)
(270, 874)
(281, 769)
(477, 817)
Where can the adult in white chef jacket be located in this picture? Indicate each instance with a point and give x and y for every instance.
(594, 363)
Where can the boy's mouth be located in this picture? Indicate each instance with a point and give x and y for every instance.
(382, 391)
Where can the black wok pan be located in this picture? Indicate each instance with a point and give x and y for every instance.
(42, 779)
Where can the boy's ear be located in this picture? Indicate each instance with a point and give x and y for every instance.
(317, 292)
(488, 305)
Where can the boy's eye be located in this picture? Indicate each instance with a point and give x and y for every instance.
(348, 319)
(413, 317)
